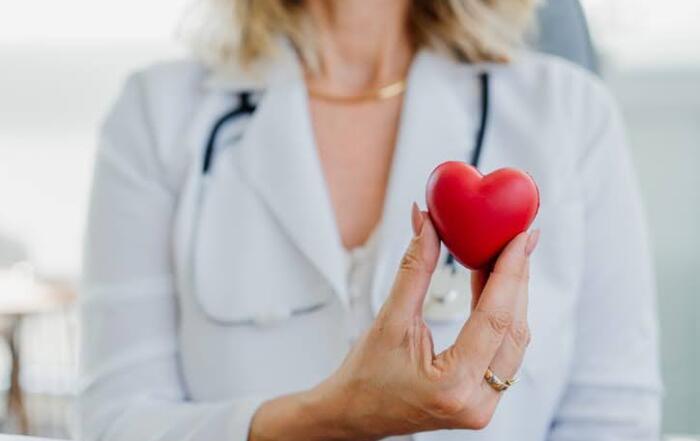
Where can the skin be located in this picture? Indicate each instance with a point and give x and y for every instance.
(362, 47)
(392, 382)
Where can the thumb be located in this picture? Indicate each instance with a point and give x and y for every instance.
(416, 269)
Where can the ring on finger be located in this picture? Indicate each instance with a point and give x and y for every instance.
(496, 383)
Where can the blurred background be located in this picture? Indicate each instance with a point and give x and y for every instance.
(62, 63)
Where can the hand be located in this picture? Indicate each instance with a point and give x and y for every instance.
(392, 382)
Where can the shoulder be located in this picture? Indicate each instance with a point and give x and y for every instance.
(165, 89)
(548, 91)
(146, 125)
(537, 67)
(555, 84)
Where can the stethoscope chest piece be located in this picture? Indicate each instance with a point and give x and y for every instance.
(449, 295)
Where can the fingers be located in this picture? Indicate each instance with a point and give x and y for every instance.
(510, 354)
(492, 317)
(417, 266)
(478, 279)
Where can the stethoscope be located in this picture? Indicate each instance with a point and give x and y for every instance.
(449, 295)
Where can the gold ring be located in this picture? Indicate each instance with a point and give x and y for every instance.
(496, 383)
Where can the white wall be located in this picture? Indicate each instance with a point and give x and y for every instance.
(652, 51)
(61, 64)
(52, 99)
(662, 109)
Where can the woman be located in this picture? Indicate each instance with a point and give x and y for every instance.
(247, 280)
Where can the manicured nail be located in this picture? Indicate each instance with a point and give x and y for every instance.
(532, 241)
(417, 219)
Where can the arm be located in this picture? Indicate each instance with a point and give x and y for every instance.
(131, 388)
(614, 389)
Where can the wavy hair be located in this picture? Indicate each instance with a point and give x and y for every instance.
(221, 32)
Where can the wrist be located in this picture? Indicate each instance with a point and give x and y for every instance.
(317, 414)
(331, 412)
(343, 412)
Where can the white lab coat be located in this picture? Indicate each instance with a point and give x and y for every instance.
(160, 357)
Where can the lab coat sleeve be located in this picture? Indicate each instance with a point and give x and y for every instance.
(131, 388)
(614, 386)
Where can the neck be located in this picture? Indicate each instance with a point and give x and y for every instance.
(362, 44)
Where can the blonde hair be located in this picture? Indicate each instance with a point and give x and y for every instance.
(222, 32)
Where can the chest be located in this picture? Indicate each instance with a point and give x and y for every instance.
(355, 144)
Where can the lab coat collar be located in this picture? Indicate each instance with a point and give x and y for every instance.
(279, 157)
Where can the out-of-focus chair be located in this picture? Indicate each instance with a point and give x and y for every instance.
(563, 31)
(22, 295)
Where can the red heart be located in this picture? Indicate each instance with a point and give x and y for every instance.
(476, 215)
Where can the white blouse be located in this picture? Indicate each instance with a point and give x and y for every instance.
(360, 263)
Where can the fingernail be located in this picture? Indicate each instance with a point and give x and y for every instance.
(417, 219)
(532, 241)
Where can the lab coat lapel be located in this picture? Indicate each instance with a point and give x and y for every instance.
(437, 125)
(277, 155)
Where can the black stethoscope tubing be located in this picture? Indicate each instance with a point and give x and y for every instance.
(485, 82)
(246, 107)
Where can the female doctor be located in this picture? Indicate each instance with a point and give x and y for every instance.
(247, 275)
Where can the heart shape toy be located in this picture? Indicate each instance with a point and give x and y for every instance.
(477, 215)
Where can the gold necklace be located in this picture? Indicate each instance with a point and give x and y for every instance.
(383, 93)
